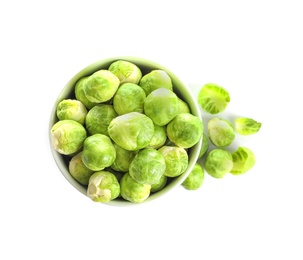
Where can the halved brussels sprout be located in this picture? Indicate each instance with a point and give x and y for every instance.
(218, 162)
(161, 105)
(148, 166)
(132, 131)
(98, 152)
(123, 159)
(71, 109)
(78, 170)
(195, 179)
(132, 190)
(220, 132)
(185, 130)
(101, 86)
(98, 119)
(159, 137)
(154, 80)
(247, 126)
(159, 185)
(129, 98)
(204, 147)
(213, 98)
(103, 187)
(67, 136)
(80, 95)
(243, 160)
(126, 71)
(176, 160)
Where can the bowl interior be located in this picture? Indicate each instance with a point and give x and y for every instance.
(146, 66)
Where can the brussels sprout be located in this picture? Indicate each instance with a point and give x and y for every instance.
(247, 126)
(71, 109)
(195, 179)
(103, 187)
(98, 152)
(161, 105)
(132, 190)
(131, 131)
(185, 130)
(78, 170)
(159, 185)
(101, 86)
(243, 160)
(98, 119)
(204, 147)
(218, 162)
(123, 159)
(176, 160)
(118, 175)
(129, 98)
(213, 98)
(159, 137)
(126, 71)
(220, 132)
(154, 80)
(183, 106)
(67, 136)
(80, 95)
(148, 166)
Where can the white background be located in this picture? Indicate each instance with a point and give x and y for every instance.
(252, 48)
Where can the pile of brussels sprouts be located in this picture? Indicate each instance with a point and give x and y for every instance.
(219, 161)
(125, 134)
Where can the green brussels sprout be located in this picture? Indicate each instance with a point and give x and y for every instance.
(213, 98)
(80, 95)
(183, 106)
(185, 130)
(126, 71)
(220, 132)
(176, 160)
(159, 137)
(98, 119)
(132, 131)
(67, 136)
(204, 147)
(132, 190)
(247, 126)
(148, 166)
(159, 185)
(243, 160)
(78, 170)
(154, 80)
(129, 98)
(123, 159)
(195, 179)
(98, 152)
(103, 187)
(218, 162)
(118, 175)
(101, 86)
(161, 105)
(71, 109)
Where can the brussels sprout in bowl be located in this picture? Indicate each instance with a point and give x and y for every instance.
(74, 90)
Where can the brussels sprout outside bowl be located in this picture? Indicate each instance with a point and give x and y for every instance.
(146, 66)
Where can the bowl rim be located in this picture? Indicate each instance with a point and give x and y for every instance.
(182, 90)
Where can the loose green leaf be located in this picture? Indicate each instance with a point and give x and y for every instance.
(247, 126)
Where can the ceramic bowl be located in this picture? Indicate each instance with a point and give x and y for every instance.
(181, 89)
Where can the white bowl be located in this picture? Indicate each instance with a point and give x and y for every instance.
(179, 88)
